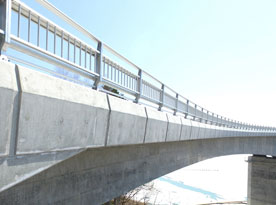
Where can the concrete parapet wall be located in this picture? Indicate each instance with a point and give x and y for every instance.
(157, 125)
(202, 131)
(56, 114)
(195, 126)
(127, 122)
(186, 129)
(174, 128)
(41, 114)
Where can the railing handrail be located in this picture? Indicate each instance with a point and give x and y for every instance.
(77, 26)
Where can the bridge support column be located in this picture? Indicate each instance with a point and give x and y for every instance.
(261, 180)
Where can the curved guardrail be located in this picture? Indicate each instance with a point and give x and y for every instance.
(25, 30)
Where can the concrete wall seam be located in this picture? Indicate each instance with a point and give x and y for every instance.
(167, 127)
(15, 115)
(108, 121)
(180, 128)
(146, 125)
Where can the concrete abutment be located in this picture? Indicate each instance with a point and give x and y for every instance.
(261, 180)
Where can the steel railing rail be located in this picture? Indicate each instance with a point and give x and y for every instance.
(59, 47)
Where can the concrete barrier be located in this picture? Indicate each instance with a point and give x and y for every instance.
(208, 131)
(186, 129)
(202, 130)
(127, 122)
(195, 129)
(56, 114)
(8, 105)
(174, 128)
(157, 125)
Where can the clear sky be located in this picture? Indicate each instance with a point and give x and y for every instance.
(220, 54)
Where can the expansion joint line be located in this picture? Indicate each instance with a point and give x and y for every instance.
(108, 121)
(167, 128)
(144, 140)
(15, 115)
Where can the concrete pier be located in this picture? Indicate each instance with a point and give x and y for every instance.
(261, 180)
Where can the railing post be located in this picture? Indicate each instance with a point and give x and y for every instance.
(98, 60)
(176, 104)
(195, 112)
(226, 122)
(202, 115)
(162, 97)
(5, 23)
(139, 85)
(212, 122)
(187, 109)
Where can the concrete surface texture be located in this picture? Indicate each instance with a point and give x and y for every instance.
(45, 120)
(261, 180)
(100, 174)
(8, 102)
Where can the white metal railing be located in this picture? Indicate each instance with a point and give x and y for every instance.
(41, 38)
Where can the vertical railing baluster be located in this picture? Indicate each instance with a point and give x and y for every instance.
(18, 20)
(90, 58)
(85, 58)
(127, 80)
(68, 48)
(111, 71)
(80, 54)
(104, 70)
(47, 35)
(29, 26)
(115, 73)
(107, 69)
(124, 78)
(121, 77)
(61, 44)
(95, 62)
(55, 39)
(75, 50)
(38, 30)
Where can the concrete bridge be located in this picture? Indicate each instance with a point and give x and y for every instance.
(65, 143)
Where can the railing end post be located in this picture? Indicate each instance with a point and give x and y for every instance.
(5, 23)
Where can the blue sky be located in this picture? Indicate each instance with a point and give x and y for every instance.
(221, 54)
